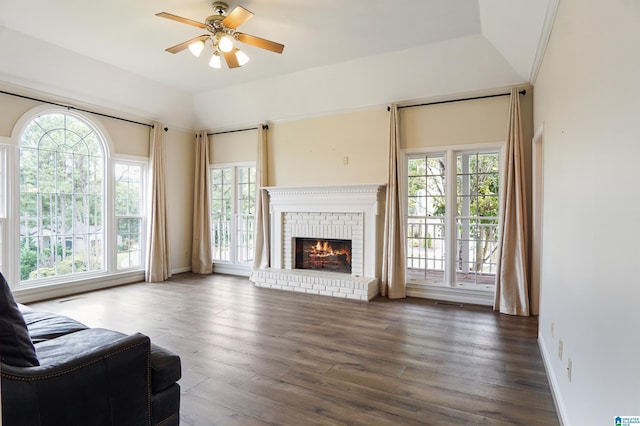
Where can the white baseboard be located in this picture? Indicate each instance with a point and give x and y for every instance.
(553, 383)
(181, 270)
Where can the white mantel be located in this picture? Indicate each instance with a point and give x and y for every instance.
(352, 212)
(362, 199)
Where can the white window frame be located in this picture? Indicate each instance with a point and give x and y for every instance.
(143, 163)
(4, 200)
(61, 285)
(232, 266)
(62, 279)
(450, 290)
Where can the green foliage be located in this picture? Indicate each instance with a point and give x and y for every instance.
(28, 259)
(63, 268)
(477, 193)
(426, 185)
(61, 191)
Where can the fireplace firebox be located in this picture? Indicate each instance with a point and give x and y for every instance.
(323, 254)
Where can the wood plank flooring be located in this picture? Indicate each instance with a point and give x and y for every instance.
(253, 356)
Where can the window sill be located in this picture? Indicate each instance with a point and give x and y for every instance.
(26, 293)
(477, 295)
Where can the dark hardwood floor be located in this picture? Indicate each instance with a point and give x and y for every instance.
(253, 356)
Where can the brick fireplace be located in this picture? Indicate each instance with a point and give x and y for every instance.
(352, 214)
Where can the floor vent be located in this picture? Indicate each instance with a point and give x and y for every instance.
(457, 305)
(71, 299)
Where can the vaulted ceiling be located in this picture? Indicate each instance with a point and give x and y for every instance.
(340, 55)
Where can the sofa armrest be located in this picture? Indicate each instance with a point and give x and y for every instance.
(90, 377)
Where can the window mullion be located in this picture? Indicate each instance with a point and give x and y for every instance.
(233, 243)
(450, 218)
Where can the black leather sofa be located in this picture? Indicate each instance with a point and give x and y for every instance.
(76, 375)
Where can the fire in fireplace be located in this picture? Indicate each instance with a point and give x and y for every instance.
(323, 254)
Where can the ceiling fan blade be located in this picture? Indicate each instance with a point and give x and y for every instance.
(181, 19)
(230, 58)
(238, 16)
(180, 47)
(260, 42)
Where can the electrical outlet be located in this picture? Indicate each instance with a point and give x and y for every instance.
(560, 348)
(553, 326)
(345, 160)
(569, 368)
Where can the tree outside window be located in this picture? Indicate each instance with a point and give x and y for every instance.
(470, 182)
(61, 197)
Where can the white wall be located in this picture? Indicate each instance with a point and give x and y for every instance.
(312, 152)
(79, 80)
(588, 96)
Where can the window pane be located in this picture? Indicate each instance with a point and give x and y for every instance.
(426, 208)
(129, 208)
(477, 217)
(244, 238)
(472, 255)
(244, 217)
(129, 243)
(60, 209)
(221, 237)
(221, 204)
(426, 250)
(80, 173)
(232, 213)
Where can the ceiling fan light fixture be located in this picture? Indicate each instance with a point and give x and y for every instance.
(215, 62)
(196, 47)
(225, 43)
(241, 56)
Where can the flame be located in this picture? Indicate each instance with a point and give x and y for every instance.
(324, 249)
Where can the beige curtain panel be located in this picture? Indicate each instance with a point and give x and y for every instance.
(393, 283)
(201, 257)
(512, 286)
(261, 252)
(157, 262)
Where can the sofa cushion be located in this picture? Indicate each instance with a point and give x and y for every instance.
(44, 325)
(165, 368)
(165, 406)
(71, 347)
(16, 347)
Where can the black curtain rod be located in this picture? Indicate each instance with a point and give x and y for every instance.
(522, 92)
(264, 127)
(78, 109)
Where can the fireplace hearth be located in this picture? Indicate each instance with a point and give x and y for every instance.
(332, 255)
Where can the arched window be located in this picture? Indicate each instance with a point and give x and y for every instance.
(62, 197)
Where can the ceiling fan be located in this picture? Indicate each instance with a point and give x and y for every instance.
(222, 28)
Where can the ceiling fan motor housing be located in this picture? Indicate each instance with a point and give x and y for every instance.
(214, 22)
(220, 8)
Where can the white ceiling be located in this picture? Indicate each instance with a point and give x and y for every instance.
(443, 46)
